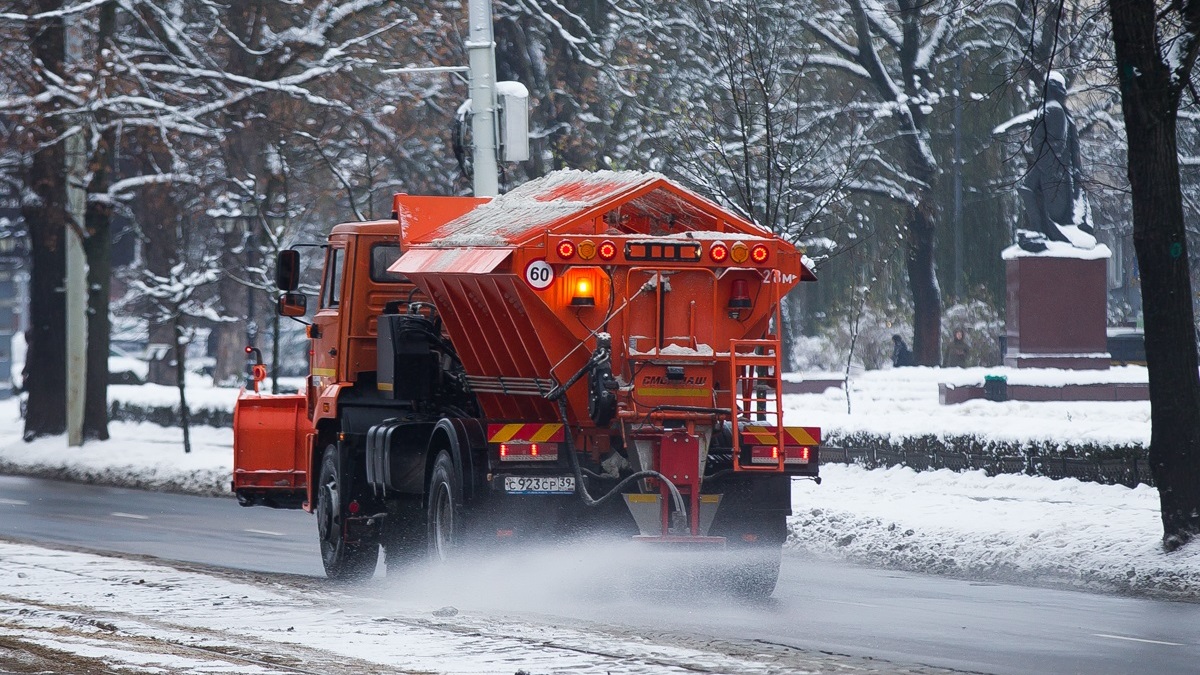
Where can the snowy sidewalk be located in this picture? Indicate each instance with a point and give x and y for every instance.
(1022, 529)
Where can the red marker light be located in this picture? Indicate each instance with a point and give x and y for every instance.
(607, 250)
(533, 450)
(760, 253)
(718, 252)
(566, 249)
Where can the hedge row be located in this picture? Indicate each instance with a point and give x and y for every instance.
(168, 416)
(1109, 464)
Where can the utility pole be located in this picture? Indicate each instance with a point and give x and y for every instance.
(76, 274)
(481, 47)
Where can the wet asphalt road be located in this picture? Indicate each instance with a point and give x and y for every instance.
(895, 616)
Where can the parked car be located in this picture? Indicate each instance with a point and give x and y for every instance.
(126, 369)
(122, 368)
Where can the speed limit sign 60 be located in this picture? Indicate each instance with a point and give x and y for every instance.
(539, 274)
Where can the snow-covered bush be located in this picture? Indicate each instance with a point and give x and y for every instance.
(981, 323)
(816, 353)
(827, 349)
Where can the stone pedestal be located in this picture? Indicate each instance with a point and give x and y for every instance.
(1057, 308)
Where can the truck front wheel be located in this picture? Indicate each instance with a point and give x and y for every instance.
(444, 508)
(343, 561)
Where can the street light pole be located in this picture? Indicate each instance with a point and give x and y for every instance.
(75, 283)
(481, 47)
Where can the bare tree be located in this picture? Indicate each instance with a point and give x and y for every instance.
(1156, 46)
(44, 209)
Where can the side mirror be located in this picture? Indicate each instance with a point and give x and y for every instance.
(293, 304)
(287, 270)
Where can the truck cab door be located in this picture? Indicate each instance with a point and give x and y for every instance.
(325, 329)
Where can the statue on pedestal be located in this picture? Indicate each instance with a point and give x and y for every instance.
(1056, 208)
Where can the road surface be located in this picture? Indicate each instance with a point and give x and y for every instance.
(899, 617)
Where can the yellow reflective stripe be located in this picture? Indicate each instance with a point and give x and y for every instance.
(384, 386)
(505, 433)
(324, 372)
(800, 435)
(642, 499)
(542, 435)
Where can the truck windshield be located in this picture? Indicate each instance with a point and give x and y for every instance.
(382, 257)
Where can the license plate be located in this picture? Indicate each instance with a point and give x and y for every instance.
(539, 485)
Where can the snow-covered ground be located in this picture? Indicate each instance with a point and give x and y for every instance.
(1023, 528)
(66, 611)
(901, 402)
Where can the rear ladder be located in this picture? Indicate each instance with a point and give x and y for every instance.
(755, 373)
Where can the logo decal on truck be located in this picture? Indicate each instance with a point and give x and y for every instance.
(660, 380)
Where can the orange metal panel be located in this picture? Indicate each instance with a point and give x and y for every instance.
(270, 449)
(419, 215)
(450, 260)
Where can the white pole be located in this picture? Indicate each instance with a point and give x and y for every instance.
(76, 276)
(481, 47)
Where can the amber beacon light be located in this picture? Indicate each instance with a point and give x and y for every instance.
(583, 293)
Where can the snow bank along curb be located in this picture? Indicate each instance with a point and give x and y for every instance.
(142, 456)
(1126, 464)
(203, 483)
(1023, 529)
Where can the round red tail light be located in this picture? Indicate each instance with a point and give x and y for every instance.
(718, 252)
(607, 250)
(760, 253)
(566, 249)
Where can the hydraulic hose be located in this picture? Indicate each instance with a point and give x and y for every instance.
(680, 505)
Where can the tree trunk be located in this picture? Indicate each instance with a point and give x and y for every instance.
(157, 215)
(180, 349)
(1150, 100)
(45, 376)
(231, 348)
(922, 283)
(98, 248)
(162, 370)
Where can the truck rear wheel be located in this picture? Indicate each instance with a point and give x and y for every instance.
(343, 561)
(444, 509)
(759, 554)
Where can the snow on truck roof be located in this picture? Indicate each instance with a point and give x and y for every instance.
(564, 199)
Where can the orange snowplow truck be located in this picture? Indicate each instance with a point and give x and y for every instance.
(590, 349)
